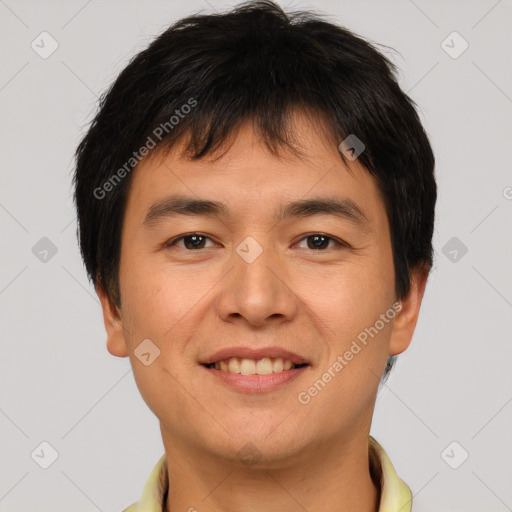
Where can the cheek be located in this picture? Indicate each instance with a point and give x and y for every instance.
(351, 297)
(346, 381)
(354, 298)
(163, 303)
(154, 307)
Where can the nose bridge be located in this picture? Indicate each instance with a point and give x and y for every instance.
(256, 289)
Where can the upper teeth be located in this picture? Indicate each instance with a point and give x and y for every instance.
(245, 366)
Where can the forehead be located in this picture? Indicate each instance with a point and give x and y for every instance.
(248, 178)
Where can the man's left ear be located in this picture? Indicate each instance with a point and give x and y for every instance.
(405, 320)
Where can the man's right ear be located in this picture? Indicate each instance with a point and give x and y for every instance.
(116, 343)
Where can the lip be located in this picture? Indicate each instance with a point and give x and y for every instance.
(252, 384)
(256, 354)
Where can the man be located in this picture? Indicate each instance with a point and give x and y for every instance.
(256, 206)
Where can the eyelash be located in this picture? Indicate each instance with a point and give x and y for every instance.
(172, 242)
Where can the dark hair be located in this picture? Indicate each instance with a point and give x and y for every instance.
(254, 62)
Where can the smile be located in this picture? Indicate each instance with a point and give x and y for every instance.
(245, 366)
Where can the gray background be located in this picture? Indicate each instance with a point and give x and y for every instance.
(60, 385)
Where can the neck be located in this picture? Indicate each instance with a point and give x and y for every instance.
(332, 476)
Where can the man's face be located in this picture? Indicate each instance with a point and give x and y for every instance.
(302, 284)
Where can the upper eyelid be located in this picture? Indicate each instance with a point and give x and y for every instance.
(172, 241)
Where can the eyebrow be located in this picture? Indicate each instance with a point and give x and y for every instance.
(343, 208)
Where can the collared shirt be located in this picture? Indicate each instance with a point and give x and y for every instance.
(395, 495)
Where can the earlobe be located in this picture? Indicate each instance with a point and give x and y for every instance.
(116, 343)
(405, 321)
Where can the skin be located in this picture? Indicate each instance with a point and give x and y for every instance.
(192, 302)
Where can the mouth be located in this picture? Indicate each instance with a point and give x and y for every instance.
(253, 371)
(263, 366)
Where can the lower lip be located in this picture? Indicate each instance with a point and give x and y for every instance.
(257, 383)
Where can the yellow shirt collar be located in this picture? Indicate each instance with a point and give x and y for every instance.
(395, 495)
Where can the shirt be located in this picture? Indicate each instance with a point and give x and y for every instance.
(395, 495)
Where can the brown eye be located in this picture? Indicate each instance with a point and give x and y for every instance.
(191, 242)
(320, 242)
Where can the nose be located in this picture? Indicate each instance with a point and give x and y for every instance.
(257, 291)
